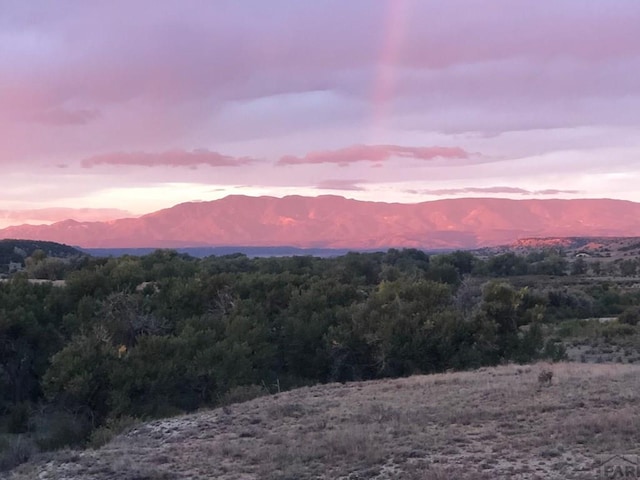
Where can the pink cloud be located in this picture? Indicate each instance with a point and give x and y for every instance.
(491, 190)
(172, 158)
(346, 185)
(374, 154)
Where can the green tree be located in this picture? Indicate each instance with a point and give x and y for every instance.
(390, 333)
(628, 267)
(579, 266)
(509, 309)
(552, 265)
(80, 374)
(507, 264)
(630, 316)
(28, 335)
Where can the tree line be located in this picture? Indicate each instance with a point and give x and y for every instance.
(166, 333)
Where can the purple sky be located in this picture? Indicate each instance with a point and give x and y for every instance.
(125, 107)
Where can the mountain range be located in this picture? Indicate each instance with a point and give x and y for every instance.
(335, 222)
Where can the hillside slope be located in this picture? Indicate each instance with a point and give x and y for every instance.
(17, 250)
(488, 424)
(336, 222)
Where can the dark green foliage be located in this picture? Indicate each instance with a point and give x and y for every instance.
(394, 332)
(409, 262)
(112, 427)
(569, 303)
(554, 350)
(29, 334)
(628, 267)
(607, 299)
(79, 375)
(630, 316)
(517, 317)
(552, 265)
(166, 333)
(15, 451)
(452, 267)
(17, 250)
(507, 264)
(158, 377)
(444, 273)
(550, 262)
(463, 262)
(63, 428)
(18, 418)
(612, 330)
(90, 281)
(579, 267)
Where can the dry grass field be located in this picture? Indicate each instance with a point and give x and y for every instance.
(503, 422)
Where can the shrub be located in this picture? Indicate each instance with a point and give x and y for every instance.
(60, 429)
(243, 393)
(554, 350)
(612, 330)
(113, 427)
(18, 419)
(15, 451)
(630, 316)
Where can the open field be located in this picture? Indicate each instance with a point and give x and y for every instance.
(492, 423)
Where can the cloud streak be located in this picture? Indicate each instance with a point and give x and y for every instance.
(340, 184)
(173, 158)
(374, 154)
(492, 190)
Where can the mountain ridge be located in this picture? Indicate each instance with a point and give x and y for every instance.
(331, 221)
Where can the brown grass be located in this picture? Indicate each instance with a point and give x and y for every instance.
(487, 424)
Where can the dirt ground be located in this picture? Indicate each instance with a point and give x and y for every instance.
(487, 424)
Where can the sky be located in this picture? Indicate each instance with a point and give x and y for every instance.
(120, 108)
